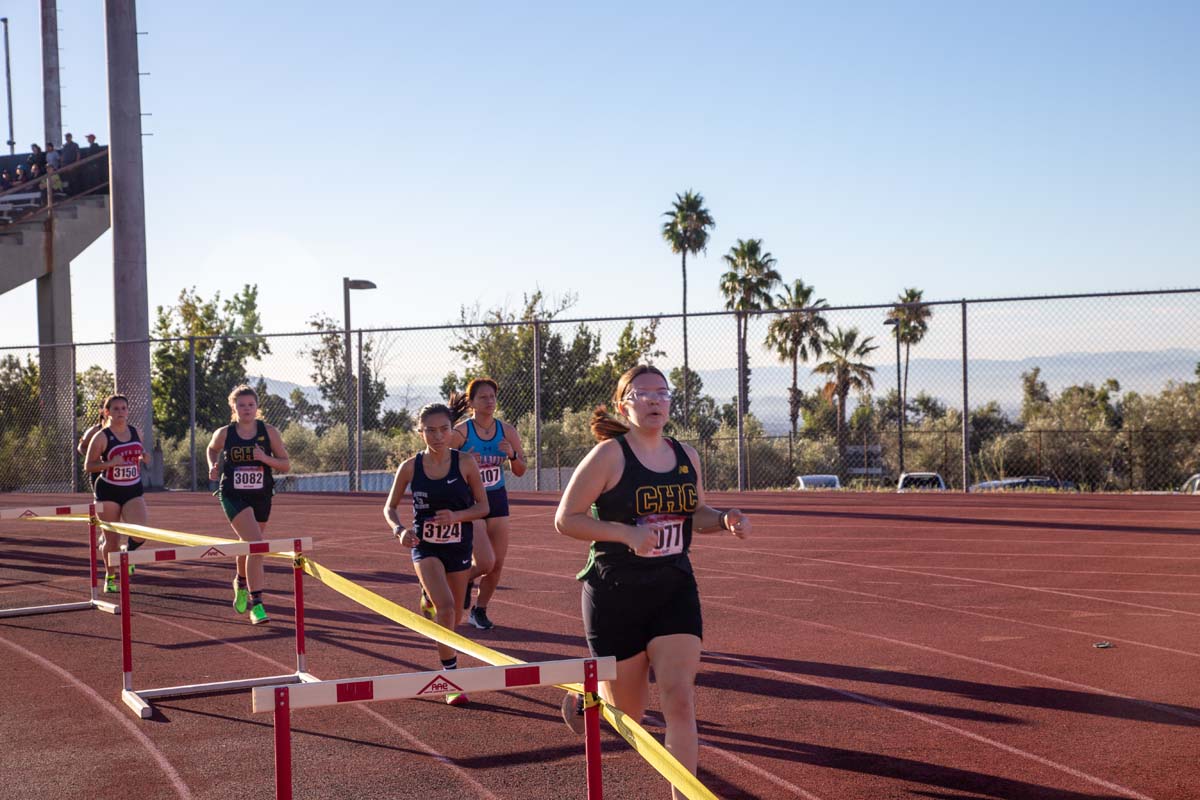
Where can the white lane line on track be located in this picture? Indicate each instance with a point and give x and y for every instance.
(181, 788)
(1161, 707)
(967, 540)
(982, 582)
(877, 552)
(959, 610)
(1016, 751)
(757, 770)
(459, 772)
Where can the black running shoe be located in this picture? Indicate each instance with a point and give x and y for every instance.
(479, 618)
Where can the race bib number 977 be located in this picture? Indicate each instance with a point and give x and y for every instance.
(441, 534)
(669, 530)
(248, 479)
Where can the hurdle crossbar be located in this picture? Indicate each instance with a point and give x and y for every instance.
(281, 700)
(138, 699)
(52, 513)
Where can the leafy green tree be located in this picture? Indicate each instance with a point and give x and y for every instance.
(686, 231)
(92, 388)
(913, 323)
(797, 335)
(704, 417)
(274, 408)
(304, 411)
(1034, 394)
(329, 374)
(19, 392)
(633, 347)
(228, 334)
(747, 288)
(846, 372)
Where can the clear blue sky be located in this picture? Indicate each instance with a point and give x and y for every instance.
(470, 152)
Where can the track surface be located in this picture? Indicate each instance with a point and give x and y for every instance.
(857, 646)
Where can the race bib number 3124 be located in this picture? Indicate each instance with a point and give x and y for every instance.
(441, 534)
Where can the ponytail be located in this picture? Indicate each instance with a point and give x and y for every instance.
(607, 426)
(459, 405)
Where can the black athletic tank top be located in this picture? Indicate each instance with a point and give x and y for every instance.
(663, 501)
(241, 473)
(430, 496)
(129, 473)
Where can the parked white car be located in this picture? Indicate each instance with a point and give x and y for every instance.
(818, 482)
(1191, 485)
(921, 482)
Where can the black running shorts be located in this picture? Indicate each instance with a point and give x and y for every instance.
(622, 614)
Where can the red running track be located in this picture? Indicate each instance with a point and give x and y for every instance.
(858, 646)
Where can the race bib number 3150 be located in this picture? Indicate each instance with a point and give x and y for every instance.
(669, 529)
(248, 479)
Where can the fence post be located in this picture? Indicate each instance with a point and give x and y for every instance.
(537, 405)
(192, 404)
(741, 404)
(358, 416)
(74, 424)
(966, 413)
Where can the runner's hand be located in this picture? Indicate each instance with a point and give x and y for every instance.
(259, 453)
(641, 540)
(506, 448)
(444, 517)
(214, 472)
(406, 537)
(738, 523)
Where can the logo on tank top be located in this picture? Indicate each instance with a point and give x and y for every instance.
(671, 498)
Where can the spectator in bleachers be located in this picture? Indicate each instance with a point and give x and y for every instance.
(53, 157)
(92, 148)
(21, 176)
(36, 157)
(52, 180)
(36, 172)
(6, 181)
(70, 151)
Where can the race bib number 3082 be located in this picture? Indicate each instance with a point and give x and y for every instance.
(669, 529)
(441, 534)
(248, 479)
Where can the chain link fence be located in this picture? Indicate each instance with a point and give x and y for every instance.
(1095, 392)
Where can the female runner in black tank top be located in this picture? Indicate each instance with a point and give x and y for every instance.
(640, 599)
(114, 458)
(447, 495)
(245, 468)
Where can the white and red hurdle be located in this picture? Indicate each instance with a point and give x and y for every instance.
(139, 700)
(281, 700)
(61, 511)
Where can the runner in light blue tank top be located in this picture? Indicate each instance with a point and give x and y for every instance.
(495, 447)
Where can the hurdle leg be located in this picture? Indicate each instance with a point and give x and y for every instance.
(591, 722)
(127, 694)
(283, 745)
(298, 597)
(97, 603)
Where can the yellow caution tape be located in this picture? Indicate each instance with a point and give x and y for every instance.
(638, 737)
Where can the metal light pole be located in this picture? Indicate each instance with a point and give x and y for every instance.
(895, 322)
(12, 144)
(351, 404)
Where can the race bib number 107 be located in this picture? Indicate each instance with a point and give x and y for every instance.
(491, 475)
(669, 530)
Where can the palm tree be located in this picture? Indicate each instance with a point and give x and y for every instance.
(913, 323)
(747, 288)
(846, 372)
(686, 231)
(797, 335)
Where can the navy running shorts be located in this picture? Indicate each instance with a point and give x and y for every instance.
(497, 503)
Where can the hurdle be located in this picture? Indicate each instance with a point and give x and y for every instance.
(282, 700)
(139, 700)
(44, 513)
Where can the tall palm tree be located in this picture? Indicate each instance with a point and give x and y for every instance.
(686, 231)
(846, 372)
(747, 288)
(797, 335)
(913, 323)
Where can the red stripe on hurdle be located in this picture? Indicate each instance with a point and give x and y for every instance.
(260, 547)
(62, 510)
(355, 690)
(164, 555)
(522, 676)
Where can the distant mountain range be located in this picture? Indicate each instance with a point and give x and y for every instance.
(988, 379)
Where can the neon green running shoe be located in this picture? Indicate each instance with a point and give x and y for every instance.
(112, 584)
(427, 607)
(241, 598)
(258, 615)
(456, 699)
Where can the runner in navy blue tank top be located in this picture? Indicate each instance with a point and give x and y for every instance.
(447, 497)
(495, 447)
(638, 497)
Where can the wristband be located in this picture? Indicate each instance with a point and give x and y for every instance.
(397, 530)
(724, 520)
